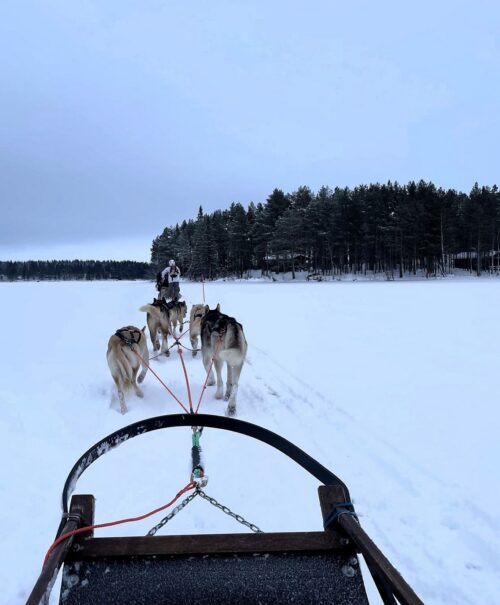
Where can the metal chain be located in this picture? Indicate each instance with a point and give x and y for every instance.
(229, 512)
(172, 514)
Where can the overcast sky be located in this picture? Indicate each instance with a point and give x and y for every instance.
(120, 117)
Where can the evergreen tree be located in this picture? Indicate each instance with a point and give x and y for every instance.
(239, 240)
(379, 228)
(204, 258)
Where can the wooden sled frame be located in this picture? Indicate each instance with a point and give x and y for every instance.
(343, 536)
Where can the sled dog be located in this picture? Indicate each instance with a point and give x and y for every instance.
(222, 339)
(124, 364)
(158, 320)
(197, 312)
(178, 310)
(162, 285)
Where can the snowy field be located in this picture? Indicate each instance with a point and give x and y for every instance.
(392, 385)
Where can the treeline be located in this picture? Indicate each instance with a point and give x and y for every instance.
(75, 269)
(391, 228)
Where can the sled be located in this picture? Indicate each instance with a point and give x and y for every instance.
(268, 568)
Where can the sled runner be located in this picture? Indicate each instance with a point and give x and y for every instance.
(269, 568)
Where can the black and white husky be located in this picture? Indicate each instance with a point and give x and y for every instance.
(222, 339)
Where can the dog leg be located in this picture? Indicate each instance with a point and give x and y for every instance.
(121, 397)
(154, 340)
(144, 353)
(137, 390)
(194, 344)
(207, 362)
(152, 333)
(155, 343)
(220, 384)
(229, 383)
(231, 405)
(169, 329)
(164, 345)
(144, 361)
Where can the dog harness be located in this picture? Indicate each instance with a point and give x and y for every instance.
(162, 305)
(166, 306)
(128, 336)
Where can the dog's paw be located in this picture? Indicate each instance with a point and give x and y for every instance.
(227, 396)
(218, 395)
(231, 410)
(139, 393)
(211, 382)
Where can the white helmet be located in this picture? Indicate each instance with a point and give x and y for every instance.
(171, 262)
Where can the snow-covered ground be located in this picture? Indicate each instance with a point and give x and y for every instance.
(392, 385)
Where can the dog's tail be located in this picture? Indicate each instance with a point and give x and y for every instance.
(150, 309)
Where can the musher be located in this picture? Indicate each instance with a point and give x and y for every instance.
(171, 274)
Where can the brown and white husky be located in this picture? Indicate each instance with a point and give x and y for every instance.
(159, 320)
(123, 362)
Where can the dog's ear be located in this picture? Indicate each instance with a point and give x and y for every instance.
(144, 330)
(218, 307)
(207, 308)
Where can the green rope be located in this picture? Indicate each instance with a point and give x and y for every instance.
(196, 438)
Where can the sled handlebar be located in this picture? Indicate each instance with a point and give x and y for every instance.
(206, 420)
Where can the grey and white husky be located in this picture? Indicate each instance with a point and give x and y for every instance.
(222, 339)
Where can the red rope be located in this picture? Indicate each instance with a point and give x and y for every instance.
(186, 376)
(161, 381)
(208, 373)
(179, 337)
(188, 487)
(179, 350)
(183, 334)
(80, 530)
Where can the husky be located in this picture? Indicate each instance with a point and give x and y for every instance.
(159, 319)
(223, 340)
(197, 312)
(162, 285)
(178, 310)
(123, 362)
